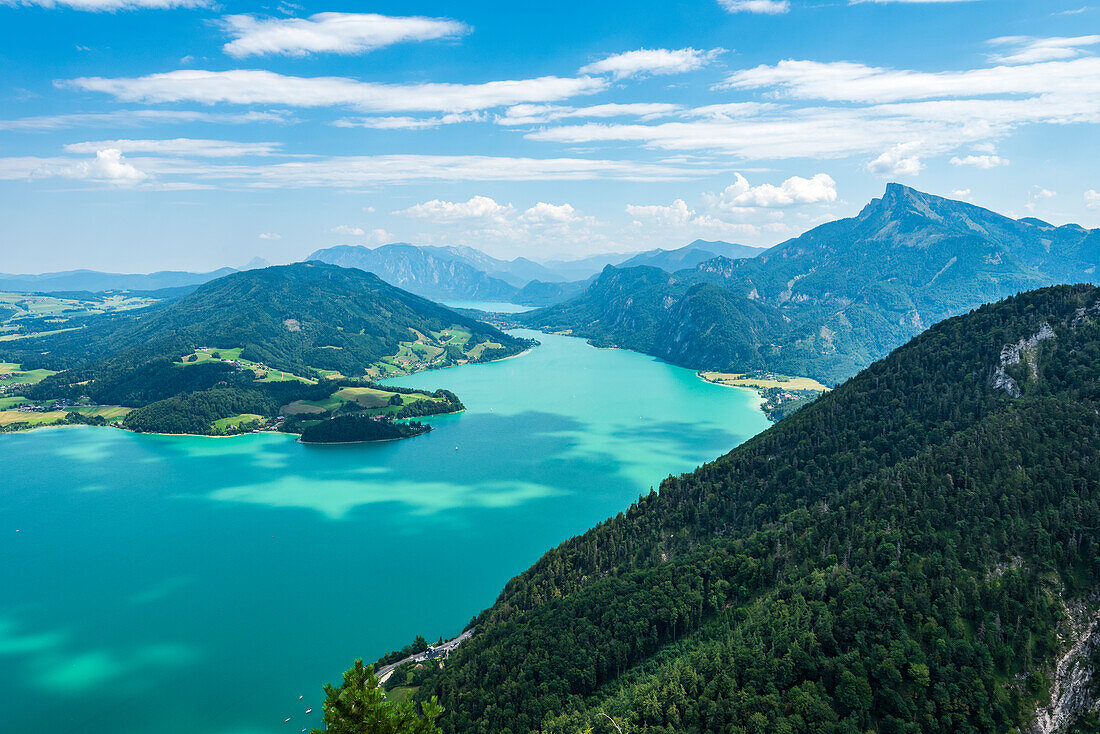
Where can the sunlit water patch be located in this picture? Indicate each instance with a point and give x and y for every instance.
(200, 585)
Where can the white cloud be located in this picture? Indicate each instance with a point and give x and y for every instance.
(795, 190)
(876, 110)
(677, 213)
(179, 146)
(767, 7)
(349, 230)
(478, 207)
(342, 33)
(530, 114)
(844, 81)
(244, 86)
(1030, 50)
(901, 160)
(1092, 199)
(961, 194)
(107, 167)
(380, 236)
(1036, 195)
(910, 2)
(110, 6)
(141, 118)
(980, 161)
(678, 220)
(365, 171)
(270, 236)
(408, 123)
(652, 61)
(550, 214)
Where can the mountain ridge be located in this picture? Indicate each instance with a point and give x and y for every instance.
(849, 291)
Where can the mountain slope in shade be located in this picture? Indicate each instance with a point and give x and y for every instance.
(913, 552)
(849, 291)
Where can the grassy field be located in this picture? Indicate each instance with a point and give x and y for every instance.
(11, 374)
(263, 374)
(375, 401)
(112, 413)
(12, 402)
(235, 421)
(749, 380)
(8, 417)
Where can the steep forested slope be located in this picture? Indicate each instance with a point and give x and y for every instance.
(897, 557)
(849, 291)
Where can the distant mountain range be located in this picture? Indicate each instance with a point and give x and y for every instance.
(463, 273)
(691, 255)
(835, 299)
(95, 282)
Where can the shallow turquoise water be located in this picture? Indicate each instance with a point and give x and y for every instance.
(199, 585)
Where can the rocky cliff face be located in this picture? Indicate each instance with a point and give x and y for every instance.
(1074, 692)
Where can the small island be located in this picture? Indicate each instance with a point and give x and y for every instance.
(361, 429)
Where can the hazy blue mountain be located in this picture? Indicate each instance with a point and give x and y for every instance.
(436, 273)
(847, 292)
(96, 282)
(585, 267)
(518, 272)
(690, 255)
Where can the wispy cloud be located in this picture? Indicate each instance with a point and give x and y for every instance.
(765, 7)
(652, 61)
(264, 87)
(179, 146)
(905, 2)
(341, 33)
(141, 118)
(1030, 50)
(356, 171)
(529, 114)
(408, 123)
(844, 81)
(110, 6)
(979, 161)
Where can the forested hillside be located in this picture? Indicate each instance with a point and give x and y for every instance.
(911, 553)
(843, 294)
(230, 348)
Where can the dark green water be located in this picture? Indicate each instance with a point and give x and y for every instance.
(197, 585)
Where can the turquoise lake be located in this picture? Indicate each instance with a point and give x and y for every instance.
(188, 585)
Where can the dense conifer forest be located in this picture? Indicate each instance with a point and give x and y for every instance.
(903, 555)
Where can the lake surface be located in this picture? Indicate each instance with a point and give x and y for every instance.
(490, 306)
(188, 585)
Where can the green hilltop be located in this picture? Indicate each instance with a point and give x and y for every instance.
(238, 350)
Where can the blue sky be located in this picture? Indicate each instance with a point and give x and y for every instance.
(152, 134)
